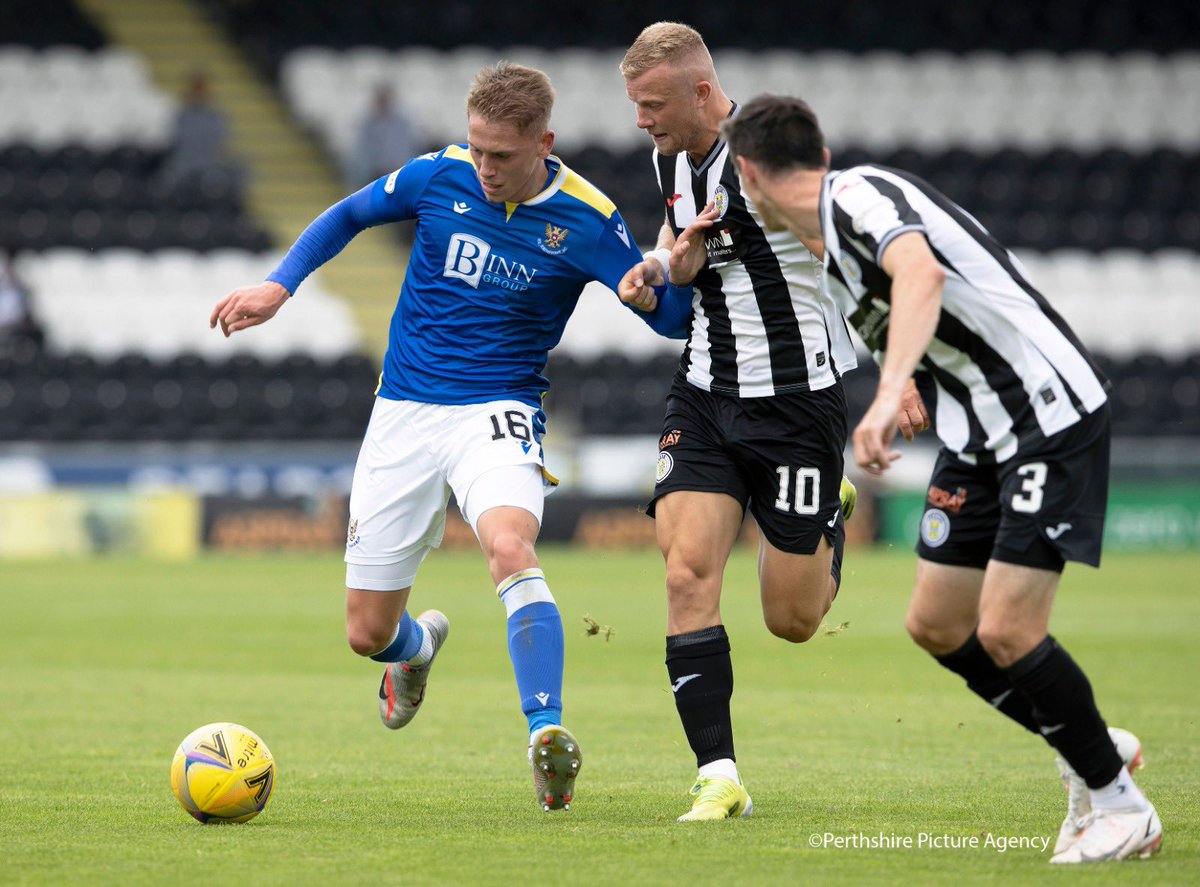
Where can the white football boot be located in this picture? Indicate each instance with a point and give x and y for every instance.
(555, 757)
(1079, 799)
(402, 689)
(1113, 835)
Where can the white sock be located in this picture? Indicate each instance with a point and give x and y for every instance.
(1120, 794)
(539, 730)
(426, 652)
(723, 767)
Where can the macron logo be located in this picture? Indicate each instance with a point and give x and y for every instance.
(1055, 532)
(621, 233)
(543, 698)
(461, 208)
(683, 680)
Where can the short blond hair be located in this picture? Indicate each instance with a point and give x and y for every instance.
(664, 42)
(514, 94)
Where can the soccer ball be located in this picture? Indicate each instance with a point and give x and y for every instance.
(223, 773)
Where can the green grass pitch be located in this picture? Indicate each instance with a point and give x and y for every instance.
(105, 665)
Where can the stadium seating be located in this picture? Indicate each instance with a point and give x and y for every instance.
(1072, 130)
(269, 30)
(39, 24)
(46, 397)
(614, 394)
(65, 94)
(95, 199)
(122, 301)
(931, 100)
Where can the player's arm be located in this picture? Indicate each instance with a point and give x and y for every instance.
(615, 262)
(917, 280)
(641, 286)
(389, 199)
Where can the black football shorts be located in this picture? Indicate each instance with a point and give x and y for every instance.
(782, 456)
(1041, 508)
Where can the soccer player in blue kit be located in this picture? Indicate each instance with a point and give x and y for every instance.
(507, 236)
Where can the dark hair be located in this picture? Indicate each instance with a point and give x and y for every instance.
(778, 133)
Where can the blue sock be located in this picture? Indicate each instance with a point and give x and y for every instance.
(535, 645)
(405, 644)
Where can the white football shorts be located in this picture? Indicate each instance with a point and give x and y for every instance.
(413, 456)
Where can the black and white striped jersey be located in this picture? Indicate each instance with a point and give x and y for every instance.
(762, 324)
(1006, 368)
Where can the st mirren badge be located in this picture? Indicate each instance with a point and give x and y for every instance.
(721, 201)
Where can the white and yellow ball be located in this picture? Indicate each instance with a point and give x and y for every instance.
(223, 773)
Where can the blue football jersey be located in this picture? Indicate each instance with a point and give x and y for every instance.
(490, 286)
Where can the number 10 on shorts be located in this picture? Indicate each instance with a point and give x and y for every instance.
(806, 496)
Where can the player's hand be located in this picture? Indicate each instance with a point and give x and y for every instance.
(874, 435)
(912, 418)
(689, 255)
(637, 286)
(248, 306)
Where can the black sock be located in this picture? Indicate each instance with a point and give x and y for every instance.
(986, 679)
(702, 680)
(1066, 711)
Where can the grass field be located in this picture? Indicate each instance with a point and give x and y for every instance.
(105, 665)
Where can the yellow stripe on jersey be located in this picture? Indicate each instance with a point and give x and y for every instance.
(457, 152)
(581, 189)
(379, 384)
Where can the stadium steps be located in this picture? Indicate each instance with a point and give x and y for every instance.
(291, 180)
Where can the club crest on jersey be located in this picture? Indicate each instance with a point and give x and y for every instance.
(850, 268)
(352, 537)
(720, 201)
(935, 527)
(552, 242)
(665, 464)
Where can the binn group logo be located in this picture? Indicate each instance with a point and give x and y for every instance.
(471, 259)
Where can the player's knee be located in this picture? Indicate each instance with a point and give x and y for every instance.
(794, 627)
(686, 579)
(1004, 643)
(927, 637)
(365, 639)
(510, 553)
(936, 638)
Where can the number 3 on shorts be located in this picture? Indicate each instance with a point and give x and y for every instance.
(1029, 500)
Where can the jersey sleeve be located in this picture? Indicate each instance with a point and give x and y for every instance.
(389, 199)
(872, 211)
(394, 197)
(616, 253)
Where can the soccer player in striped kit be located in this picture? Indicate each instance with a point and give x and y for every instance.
(756, 418)
(1020, 486)
(507, 237)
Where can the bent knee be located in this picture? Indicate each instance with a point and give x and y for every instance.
(1006, 644)
(936, 638)
(366, 640)
(510, 553)
(795, 628)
